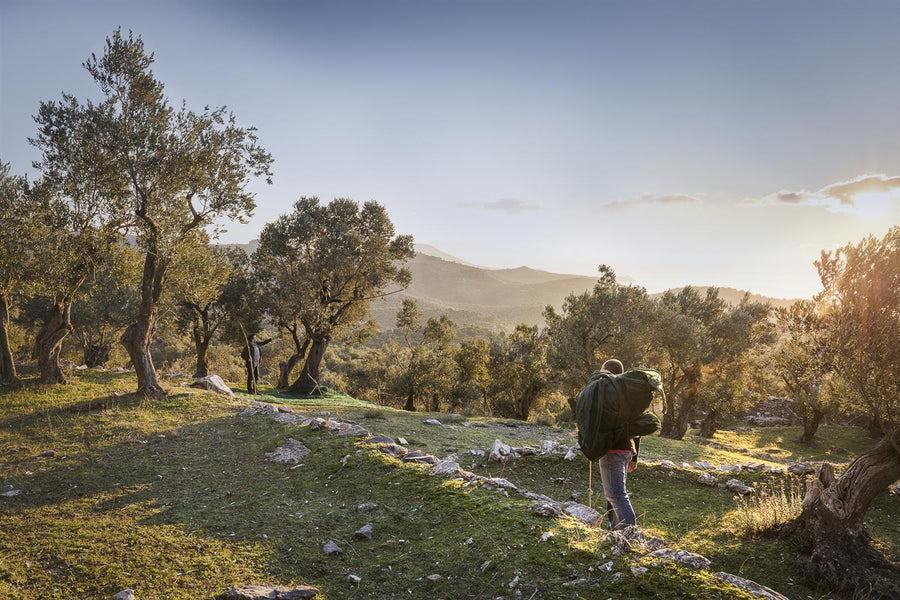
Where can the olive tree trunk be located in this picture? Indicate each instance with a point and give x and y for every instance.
(137, 337)
(8, 375)
(202, 334)
(832, 531)
(48, 344)
(308, 380)
(286, 368)
(709, 426)
(96, 354)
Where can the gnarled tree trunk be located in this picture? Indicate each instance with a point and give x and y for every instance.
(96, 354)
(202, 334)
(308, 380)
(709, 426)
(137, 337)
(48, 343)
(8, 375)
(832, 531)
(286, 368)
(812, 417)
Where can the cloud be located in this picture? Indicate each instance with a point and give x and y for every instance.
(843, 196)
(510, 206)
(669, 199)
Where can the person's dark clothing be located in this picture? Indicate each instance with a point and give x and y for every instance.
(251, 363)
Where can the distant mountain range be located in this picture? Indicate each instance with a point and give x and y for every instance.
(492, 299)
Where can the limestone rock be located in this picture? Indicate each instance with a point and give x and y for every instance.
(291, 453)
(668, 465)
(572, 453)
(421, 458)
(433, 422)
(285, 409)
(269, 592)
(606, 567)
(547, 535)
(689, 559)
(500, 451)
(546, 509)
(738, 486)
(402, 441)
(367, 506)
(576, 582)
(750, 586)
(363, 533)
(124, 595)
(10, 492)
(393, 450)
(446, 468)
(345, 429)
(379, 439)
(525, 451)
(552, 447)
(702, 465)
(213, 383)
(801, 468)
(636, 571)
(583, 513)
(500, 483)
(434, 577)
(730, 468)
(331, 548)
(707, 479)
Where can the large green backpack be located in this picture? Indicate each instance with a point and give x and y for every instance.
(611, 407)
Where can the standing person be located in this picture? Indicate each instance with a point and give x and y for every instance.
(615, 465)
(251, 362)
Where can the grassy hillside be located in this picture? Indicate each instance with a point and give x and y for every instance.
(176, 499)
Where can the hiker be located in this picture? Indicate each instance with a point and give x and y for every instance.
(251, 362)
(615, 465)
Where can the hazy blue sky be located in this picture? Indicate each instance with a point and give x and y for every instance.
(708, 143)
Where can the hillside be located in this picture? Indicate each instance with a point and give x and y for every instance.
(102, 491)
(492, 299)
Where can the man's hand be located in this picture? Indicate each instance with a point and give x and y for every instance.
(631, 466)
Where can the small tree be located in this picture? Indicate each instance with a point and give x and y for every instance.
(473, 384)
(519, 373)
(346, 256)
(801, 360)
(612, 320)
(18, 223)
(433, 361)
(106, 303)
(860, 304)
(199, 276)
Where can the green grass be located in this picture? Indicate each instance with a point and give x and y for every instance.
(176, 500)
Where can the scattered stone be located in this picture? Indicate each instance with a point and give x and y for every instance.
(707, 479)
(363, 533)
(433, 422)
(343, 429)
(801, 468)
(583, 513)
(268, 592)
(402, 441)
(514, 582)
(485, 565)
(379, 439)
(750, 586)
(617, 576)
(754, 466)
(213, 383)
(446, 468)
(344, 460)
(685, 465)
(572, 453)
(393, 450)
(654, 543)
(636, 571)
(367, 506)
(896, 489)
(607, 567)
(434, 577)
(81, 368)
(474, 453)
(419, 457)
(470, 541)
(500, 451)
(547, 535)
(317, 423)
(124, 595)
(738, 486)
(501, 483)
(291, 453)
(525, 451)
(354, 578)
(730, 468)
(546, 509)
(331, 548)
(689, 559)
(775, 470)
(552, 447)
(702, 465)
(668, 465)
(47, 454)
(575, 582)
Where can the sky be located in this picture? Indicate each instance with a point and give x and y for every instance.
(706, 143)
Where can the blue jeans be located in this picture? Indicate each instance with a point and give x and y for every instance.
(613, 472)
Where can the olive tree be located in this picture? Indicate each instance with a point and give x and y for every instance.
(344, 255)
(181, 171)
(860, 304)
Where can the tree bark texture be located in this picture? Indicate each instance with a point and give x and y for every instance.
(202, 334)
(709, 426)
(286, 368)
(832, 531)
(8, 375)
(812, 417)
(96, 354)
(410, 402)
(137, 337)
(48, 343)
(308, 380)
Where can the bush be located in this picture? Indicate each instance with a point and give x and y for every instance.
(773, 505)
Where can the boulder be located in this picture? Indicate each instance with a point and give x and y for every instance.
(500, 451)
(268, 592)
(738, 486)
(379, 439)
(446, 468)
(213, 383)
(689, 559)
(583, 513)
(124, 595)
(750, 586)
(331, 548)
(801, 468)
(291, 453)
(363, 533)
(707, 479)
